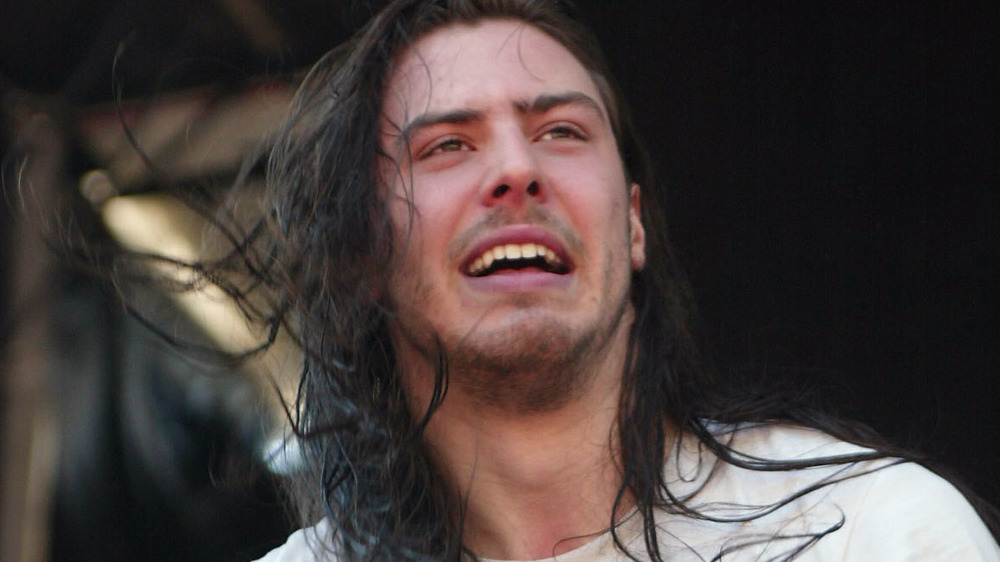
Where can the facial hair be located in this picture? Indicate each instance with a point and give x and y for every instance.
(532, 365)
(536, 370)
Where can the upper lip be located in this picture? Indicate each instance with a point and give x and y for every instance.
(518, 235)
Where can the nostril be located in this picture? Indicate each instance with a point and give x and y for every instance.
(533, 189)
(501, 190)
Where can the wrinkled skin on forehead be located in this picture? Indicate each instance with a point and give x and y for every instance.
(503, 142)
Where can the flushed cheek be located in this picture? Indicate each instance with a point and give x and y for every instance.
(409, 243)
(425, 280)
(593, 195)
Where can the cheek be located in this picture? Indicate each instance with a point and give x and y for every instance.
(442, 205)
(601, 212)
(398, 200)
(407, 244)
(422, 222)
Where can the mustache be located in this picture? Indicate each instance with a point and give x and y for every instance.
(500, 217)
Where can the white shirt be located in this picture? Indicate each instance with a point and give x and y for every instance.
(869, 511)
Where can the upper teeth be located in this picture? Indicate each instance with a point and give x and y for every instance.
(512, 252)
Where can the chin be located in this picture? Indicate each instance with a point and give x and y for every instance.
(523, 367)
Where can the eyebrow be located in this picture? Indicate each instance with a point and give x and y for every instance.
(547, 102)
(540, 105)
(430, 118)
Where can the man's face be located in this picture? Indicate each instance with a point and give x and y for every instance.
(515, 227)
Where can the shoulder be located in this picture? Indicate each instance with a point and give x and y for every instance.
(908, 508)
(765, 463)
(305, 545)
(855, 508)
(779, 441)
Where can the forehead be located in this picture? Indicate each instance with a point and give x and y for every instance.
(473, 66)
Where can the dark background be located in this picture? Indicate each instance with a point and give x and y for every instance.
(833, 176)
(832, 173)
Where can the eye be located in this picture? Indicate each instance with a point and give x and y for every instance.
(450, 144)
(563, 131)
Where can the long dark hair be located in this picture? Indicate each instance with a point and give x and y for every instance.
(365, 458)
(365, 467)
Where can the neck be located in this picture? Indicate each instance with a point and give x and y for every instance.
(534, 485)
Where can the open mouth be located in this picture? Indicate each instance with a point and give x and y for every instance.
(516, 257)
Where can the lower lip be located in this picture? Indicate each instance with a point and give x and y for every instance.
(520, 281)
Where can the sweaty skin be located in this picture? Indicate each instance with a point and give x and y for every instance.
(509, 144)
(503, 143)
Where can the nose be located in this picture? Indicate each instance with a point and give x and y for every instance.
(516, 176)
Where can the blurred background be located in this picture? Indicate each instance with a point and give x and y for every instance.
(833, 186)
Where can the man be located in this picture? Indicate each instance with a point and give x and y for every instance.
(497, 359)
